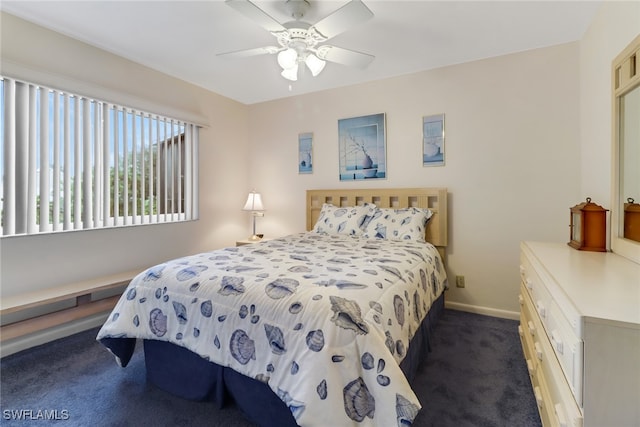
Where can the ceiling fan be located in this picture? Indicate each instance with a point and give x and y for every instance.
(300, 42)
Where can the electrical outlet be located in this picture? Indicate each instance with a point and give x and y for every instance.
(460, 281)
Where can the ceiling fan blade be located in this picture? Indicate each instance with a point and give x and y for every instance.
(349, 15)
(343, 56)
(245, 53)
(256, 14)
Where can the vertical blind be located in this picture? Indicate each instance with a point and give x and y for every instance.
(71, 162)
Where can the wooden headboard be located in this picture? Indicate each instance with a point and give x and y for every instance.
(434, 199)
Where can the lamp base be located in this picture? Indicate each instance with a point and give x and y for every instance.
(256, 237)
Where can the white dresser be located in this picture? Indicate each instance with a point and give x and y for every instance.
(580, 332)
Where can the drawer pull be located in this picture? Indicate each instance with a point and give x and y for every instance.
(521, 269)
(557, 342)
(530, 368)
(538, 394)
(538, 349)
(520, 331)
(541, 310)
(529, 284)
(562, 419)
(520, 299)
(532, 328)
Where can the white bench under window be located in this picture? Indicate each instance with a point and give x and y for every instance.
(37, 311)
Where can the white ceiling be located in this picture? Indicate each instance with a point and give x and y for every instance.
(183, 38)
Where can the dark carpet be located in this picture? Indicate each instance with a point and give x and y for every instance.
(475, 375)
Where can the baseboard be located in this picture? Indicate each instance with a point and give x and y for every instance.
(487, 311)
(22, 343)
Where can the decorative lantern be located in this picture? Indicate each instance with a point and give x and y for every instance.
(632, 220)
(588, 227)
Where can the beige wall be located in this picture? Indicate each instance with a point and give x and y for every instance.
(511, 163)
(36, 262)
(527, 137)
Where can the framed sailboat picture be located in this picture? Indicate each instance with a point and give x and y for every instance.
(305, 153)
(362, 148)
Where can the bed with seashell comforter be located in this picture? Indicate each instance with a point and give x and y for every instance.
(319, 328)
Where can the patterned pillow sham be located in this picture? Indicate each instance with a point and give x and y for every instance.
(344, 220)
(398, 224)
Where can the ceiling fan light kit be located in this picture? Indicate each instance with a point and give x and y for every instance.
(290, 73)
(287, 58)
(315, 64)
(300, 41)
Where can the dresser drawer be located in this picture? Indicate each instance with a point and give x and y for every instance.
(526, 339)
(527, 351)
(529, 322)
(536, 289)
(564, 343)
(567, 312)
(563, 409)
(543, 401)
(543, 356)
(543, 289)
(534, 331)
(568, 349)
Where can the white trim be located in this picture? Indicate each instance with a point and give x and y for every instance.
(21, 72)
(487, 311)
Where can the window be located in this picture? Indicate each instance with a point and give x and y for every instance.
(69, 162)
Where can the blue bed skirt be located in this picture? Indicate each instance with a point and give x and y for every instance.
(183, 373)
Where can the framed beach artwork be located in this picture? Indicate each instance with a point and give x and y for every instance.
(362, 148)
(305, 153)
(433, 140)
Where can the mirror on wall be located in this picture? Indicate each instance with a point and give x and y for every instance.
(629, 163)
(625, 218)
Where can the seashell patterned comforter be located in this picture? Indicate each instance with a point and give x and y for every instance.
(323, 319)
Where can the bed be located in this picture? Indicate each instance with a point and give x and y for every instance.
(324, 327)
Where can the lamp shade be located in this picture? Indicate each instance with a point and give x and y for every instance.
(254, 202)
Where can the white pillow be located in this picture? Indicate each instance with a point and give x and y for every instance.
(344, 220)
(398, 224)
